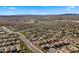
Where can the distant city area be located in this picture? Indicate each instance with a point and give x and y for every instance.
(39, 33)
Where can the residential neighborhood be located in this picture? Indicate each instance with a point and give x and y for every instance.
(39, 29)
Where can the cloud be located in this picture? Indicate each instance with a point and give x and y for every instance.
(68, 9)
(11, 8)
(71, 7)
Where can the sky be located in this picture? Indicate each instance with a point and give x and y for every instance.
(37, 10)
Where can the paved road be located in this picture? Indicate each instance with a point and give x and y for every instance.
(7, 30)
(26, 41)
